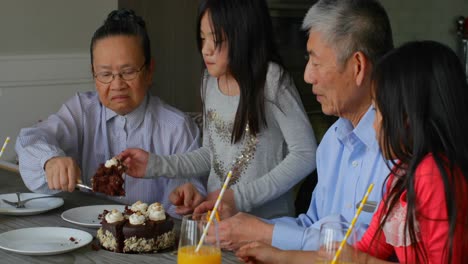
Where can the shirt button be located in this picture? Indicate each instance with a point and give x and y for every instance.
(355, 163)
(349, 206)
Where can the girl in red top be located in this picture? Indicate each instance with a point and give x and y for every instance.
(422, 121)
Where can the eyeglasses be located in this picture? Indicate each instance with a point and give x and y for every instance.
(126, 75)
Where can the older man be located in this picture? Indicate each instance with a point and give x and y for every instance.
(345, 39)
(92, 127)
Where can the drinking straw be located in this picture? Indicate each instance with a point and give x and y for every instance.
(214, 211)
(4, 146)
(353, 222)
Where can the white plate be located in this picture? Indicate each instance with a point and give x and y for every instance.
(89, 215)
(44, 240)
(32, 207)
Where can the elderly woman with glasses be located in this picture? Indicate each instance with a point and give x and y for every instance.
(95, 126)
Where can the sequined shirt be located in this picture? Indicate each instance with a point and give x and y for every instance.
(265, 167)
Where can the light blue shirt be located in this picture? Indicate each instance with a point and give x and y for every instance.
(348, 161)
(91, 134)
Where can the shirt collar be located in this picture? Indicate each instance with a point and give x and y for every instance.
(362, 134)
(134, 118)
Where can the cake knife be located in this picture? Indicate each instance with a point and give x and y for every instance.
(84, 186)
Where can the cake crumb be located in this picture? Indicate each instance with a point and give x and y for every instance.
(95, 247)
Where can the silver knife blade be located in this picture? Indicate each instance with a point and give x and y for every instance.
(84, 186)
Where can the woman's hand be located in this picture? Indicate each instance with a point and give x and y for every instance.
(62, 173)
(136, 161)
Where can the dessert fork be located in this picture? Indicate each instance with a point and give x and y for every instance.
(21, 203)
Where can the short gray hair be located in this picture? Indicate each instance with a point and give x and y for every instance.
(349, 26)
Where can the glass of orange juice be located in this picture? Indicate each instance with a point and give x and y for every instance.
(190, 233)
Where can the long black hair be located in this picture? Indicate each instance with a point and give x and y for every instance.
(123, 22)
(246, 26)
(420, 90)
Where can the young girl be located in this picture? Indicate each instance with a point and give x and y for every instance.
(254, 121)
(421, 123)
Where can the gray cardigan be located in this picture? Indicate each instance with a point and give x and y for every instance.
(267, 166)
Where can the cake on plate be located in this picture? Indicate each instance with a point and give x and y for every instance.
(109, 178)
(139, 229)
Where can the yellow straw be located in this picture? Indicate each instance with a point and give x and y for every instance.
(214, 212)
(4, 146)
(353, 222)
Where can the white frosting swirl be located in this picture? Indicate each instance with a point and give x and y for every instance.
(156, 212)
(114, 216)
(139, 206)
(111, 162)
(137, 219)
(156, 207)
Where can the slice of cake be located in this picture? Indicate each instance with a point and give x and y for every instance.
(110, 234)
(109, 178)
(143, 230)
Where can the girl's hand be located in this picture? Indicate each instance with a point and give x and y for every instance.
(224, 211)
(258, 252)
(186, 197)
(226, 208)
(229, 204)
(136, 161)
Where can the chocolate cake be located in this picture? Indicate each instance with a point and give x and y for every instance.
(140, 229)
(109, 178)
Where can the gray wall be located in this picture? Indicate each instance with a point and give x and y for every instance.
(50, 26)
(43, 58)
(171, 25)
(425, 19)
(413, 19)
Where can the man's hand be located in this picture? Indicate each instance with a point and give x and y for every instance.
(136, 161)
(186, 197)
(235, 231)
(62, 173)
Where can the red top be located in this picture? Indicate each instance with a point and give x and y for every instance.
(431, 217)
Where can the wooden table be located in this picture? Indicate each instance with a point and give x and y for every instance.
(11, 182)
